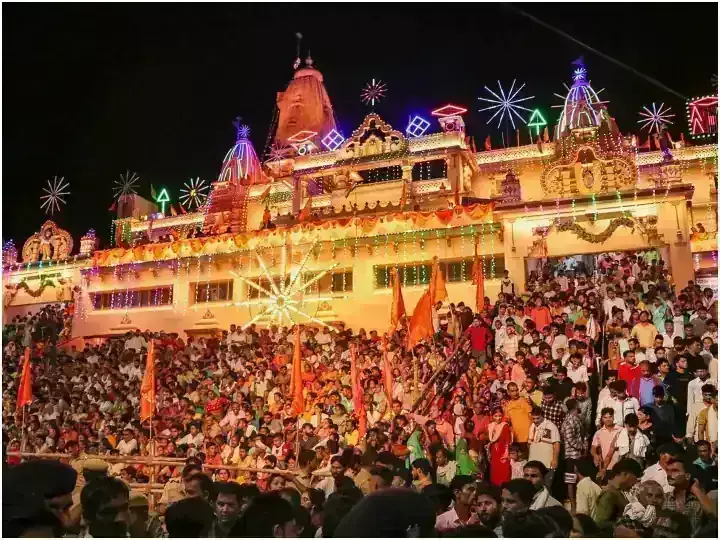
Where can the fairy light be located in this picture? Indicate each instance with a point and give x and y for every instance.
(462, 253)
(620, 202)
(697, 261)
(492, 252)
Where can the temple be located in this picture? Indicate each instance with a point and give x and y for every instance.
(311, 233)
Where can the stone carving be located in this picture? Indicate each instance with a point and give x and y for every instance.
(51, 243)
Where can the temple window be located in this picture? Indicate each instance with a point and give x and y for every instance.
(381, 174)
(211, 291)
(133, 298)
(454, 270)
(429, 170)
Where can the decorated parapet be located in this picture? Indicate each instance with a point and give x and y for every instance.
(50, 244)
(9, 253)
(88, 243)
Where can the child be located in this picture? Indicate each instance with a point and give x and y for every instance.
(517, 460)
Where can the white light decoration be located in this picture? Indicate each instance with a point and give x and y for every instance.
(126, 185)
(417, 126)
(333, 140)
(286, 299)
(654, 120)
(193, 194)
(506, 104)
(54, 195)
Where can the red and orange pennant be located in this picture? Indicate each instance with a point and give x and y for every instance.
(296, 386)
(25, 395)
(397, 311)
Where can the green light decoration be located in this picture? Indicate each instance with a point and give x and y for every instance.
(537, 121)
(163, 198)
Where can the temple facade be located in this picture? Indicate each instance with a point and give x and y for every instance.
(312, 233)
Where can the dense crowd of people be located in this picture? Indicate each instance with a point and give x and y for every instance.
(583, 406)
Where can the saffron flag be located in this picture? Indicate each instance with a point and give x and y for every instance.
(147, 390)
(517, 135)
(397, 311)
(387, 372)
(265, 194)
(173, 212)
(182, 209)
(539, 144)
(421, 325)
(113, 206)
(296, 387)
(546, 135)
(357, 393)
(153, 193)
(438, 291)
(305, 212)
(25, 391)
(479, 282)
(488, 146)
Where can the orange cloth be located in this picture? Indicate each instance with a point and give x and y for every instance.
(518, 412)
(541, 317)
(421, 325)
(25, 392)
(147, 390)
(397, 311)
(296, 381)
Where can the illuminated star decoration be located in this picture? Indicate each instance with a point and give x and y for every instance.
(193, 194)
(656, 119)
(286, 295)
(506, 104)
(126, 185)
(373, 92)
(54, 195)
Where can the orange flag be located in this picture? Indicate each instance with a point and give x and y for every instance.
(438, 291)
(296, 387)
(25, 391)
(147, 390)
(387, 372)
(357, 393)
(305, 212)
(479, 282)
(397, 311)
(488, 146)
(421, 325)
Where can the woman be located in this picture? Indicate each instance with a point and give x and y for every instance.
(500, 439)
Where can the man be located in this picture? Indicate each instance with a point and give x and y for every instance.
(544, 440)
(694, 394)
(628, 370)
(588, 491)
(105, 508)
(604, 441)
(667, 453)
(612, 301)
(463, 489)
(35, 493)
(669, 335)
(518, 411)
(622, 404)
(644, 330)
(707, 418)
(574, 443)
(268, 515)
(517, 496)
(641, 388)
(531, 392)
(199, 485)
(706, 466)
(508, 344)
(694, 358)
(488, 505)
(128, 445)
(561, 384)
(227, 508)
(676, 384)
(338, 468)
(480, 338)
(612, 501)
(536, 473)
(421, 474)
(687, 497)
(552, 408)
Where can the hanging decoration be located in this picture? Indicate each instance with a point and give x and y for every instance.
(54, 194)
(506, 105)
(417, 126)
(373, 92)
(194, 195)
(333, 140)
(656, 119)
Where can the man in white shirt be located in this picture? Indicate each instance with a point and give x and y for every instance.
(324, 337)
(667, 452)
(231, 417)
(544, 440)
(193, 439)
(613, 301)
(669, 334)
(463, 489)
(694, 391)
(128, 444)
(136, 342)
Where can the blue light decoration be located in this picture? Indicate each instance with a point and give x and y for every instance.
(333, 140)
(417, 127)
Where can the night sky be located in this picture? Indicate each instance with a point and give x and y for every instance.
(90, 90)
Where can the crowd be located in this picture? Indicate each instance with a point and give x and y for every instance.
(583, 406)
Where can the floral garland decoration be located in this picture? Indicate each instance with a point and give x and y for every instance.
(12, 292)
(600, 238)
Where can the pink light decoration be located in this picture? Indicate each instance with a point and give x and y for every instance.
(449, 110)
(302, 136)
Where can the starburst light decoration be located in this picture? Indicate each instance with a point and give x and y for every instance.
(654, 120)
(506, 104)
(285, 298)
(193, 194)
(126, 185)
(55, 192)
(373, 92)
